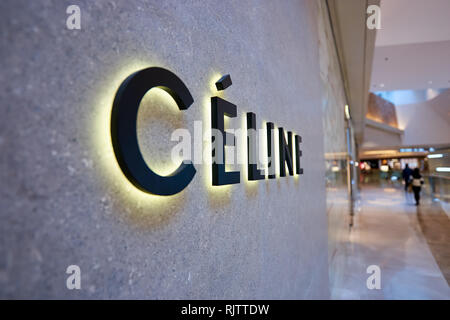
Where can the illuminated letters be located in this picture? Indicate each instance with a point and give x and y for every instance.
(126, 148)
(285, 153)
(253, 172)
(298, 154)
(219, 109)
(270, 150)
(124, 134)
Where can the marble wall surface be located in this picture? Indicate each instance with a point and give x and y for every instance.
(335, 147)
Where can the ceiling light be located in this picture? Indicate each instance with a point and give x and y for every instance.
(347, 112)
(434, 156)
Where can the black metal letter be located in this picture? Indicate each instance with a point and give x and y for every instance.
(270, 150)
(285, 152)
(224, 82)
(220, 108)
(124, 135)
(253, 172)
(298, 154)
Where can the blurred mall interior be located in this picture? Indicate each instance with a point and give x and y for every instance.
(405, 122)
(364, 84)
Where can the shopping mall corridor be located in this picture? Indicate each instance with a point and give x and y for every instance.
(410, 245)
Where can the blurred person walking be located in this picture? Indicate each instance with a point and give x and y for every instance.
(417, 182)
(406, 173)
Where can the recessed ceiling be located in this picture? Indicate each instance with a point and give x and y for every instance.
(413, 46)
(411, 67)
(413, 21)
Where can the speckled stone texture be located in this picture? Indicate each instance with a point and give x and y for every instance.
(63, 200)
(335, 149)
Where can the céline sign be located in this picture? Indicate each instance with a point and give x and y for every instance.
(126, 148)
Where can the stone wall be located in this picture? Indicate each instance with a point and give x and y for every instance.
(335, 148)
(64, 200)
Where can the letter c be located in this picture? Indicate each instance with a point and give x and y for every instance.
(124, 133)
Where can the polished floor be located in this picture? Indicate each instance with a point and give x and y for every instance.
(410, 245)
